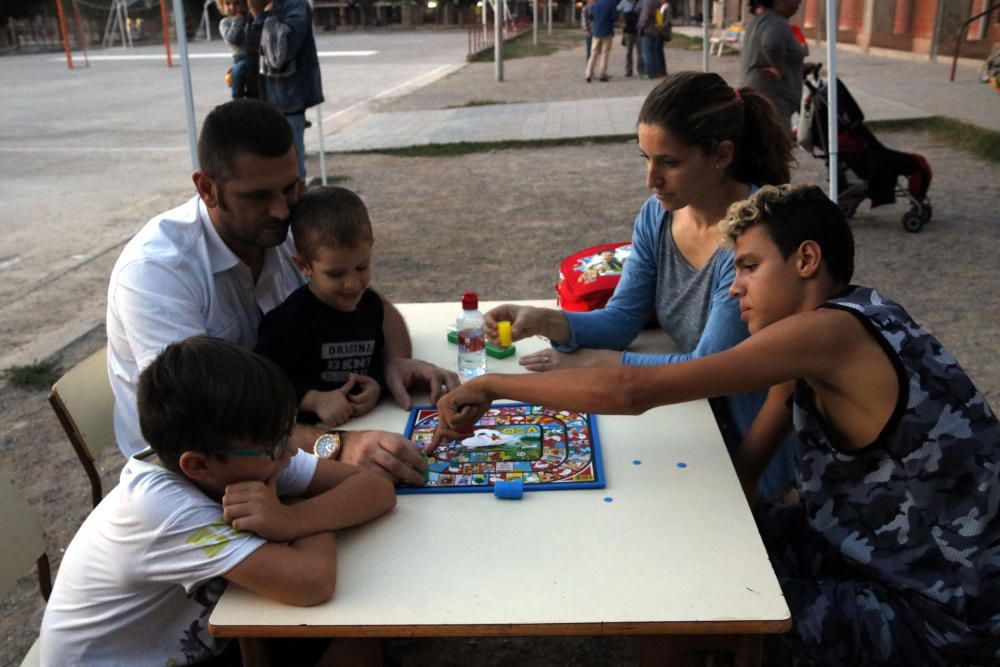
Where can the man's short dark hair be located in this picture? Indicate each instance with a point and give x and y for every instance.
(203, 393)
(793, 214)
(241, 126)
(329, 217)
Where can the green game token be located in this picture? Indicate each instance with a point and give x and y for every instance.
(492, 350)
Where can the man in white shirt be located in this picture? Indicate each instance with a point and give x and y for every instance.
(217, 263)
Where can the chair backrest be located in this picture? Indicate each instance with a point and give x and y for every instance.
(84, 404)
(22, 540)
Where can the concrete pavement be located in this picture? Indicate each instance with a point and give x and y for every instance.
(886, 88)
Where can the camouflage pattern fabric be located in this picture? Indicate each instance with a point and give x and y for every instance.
(893, 556)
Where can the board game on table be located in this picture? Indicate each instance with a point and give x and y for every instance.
(545, 448)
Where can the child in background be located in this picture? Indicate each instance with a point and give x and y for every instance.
(893, 554)
(233, 28)
(201, 507)
(327, 335)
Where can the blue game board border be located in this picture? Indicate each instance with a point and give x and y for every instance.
(598, 460)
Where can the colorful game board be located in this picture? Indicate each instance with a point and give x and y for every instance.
(546, 448)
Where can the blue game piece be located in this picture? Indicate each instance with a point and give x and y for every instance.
(681, 464)
(509, 489)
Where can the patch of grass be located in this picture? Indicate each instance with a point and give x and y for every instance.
(468, 147)
(689, 43)
(317, 181)
(521, 46)
(36, 376)
(481, 103)
(979, 141)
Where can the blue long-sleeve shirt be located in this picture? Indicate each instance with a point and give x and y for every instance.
(620, 321)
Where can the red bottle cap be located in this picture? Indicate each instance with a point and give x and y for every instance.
(470, 301)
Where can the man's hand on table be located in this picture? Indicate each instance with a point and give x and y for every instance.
(388, 454)
(401, 375)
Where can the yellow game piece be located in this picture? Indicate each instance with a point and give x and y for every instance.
(503, 333)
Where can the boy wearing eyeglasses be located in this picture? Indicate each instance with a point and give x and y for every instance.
(199, 508)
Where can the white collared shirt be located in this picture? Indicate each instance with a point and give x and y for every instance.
(177, 278)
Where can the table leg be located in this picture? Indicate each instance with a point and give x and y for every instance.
(254, 652)
(749, 651)
(692, 650)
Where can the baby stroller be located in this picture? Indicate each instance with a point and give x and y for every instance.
(879, 168)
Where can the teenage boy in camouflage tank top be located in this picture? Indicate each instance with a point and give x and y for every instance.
(893, 554)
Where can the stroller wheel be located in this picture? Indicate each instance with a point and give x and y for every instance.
(913, 221)
(926, 210)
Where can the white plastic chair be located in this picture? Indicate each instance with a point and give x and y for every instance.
(22, 543)
(84, 404)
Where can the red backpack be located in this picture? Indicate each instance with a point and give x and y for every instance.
(588, 278)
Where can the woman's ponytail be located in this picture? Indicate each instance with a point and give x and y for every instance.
(765, 151)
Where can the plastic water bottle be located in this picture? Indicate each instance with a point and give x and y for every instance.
(471, 338)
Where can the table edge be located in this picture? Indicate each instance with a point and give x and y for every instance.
(776, 626)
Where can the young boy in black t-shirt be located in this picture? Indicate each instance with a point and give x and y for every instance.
(327, 335)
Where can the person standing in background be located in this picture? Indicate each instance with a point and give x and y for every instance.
(771, 62)
(602, 28)
(651, 41)
(629, 11)
(289, 65)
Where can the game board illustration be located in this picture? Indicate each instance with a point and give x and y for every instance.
(546, 448)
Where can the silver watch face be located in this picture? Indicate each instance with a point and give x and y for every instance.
(324, 446)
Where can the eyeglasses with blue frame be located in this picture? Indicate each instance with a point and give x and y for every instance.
(274, 451)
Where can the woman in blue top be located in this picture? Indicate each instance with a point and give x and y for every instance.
(706, 146)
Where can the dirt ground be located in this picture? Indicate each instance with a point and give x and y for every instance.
(449, 224)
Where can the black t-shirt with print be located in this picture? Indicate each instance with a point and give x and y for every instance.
(318, 346)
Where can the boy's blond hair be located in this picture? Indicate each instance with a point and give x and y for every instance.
(792, 214)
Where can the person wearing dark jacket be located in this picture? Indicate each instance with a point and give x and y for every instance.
(289, 76)
(629, 11)
(602, 27)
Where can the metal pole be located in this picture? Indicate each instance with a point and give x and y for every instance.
(548, 10)
(831, 92)
(486, 9)
(166, 32)
(534, 22)
(182, 46)
(322, 147)
(706, 13)
(498, 40)
(938, 17)
(79, 33)
(64, 33)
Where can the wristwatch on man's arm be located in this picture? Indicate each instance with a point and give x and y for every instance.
(328, 445)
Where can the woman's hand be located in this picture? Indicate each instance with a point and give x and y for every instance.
(527, 321)
(550, 360)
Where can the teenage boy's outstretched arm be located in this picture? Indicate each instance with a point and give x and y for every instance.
(810, 345)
